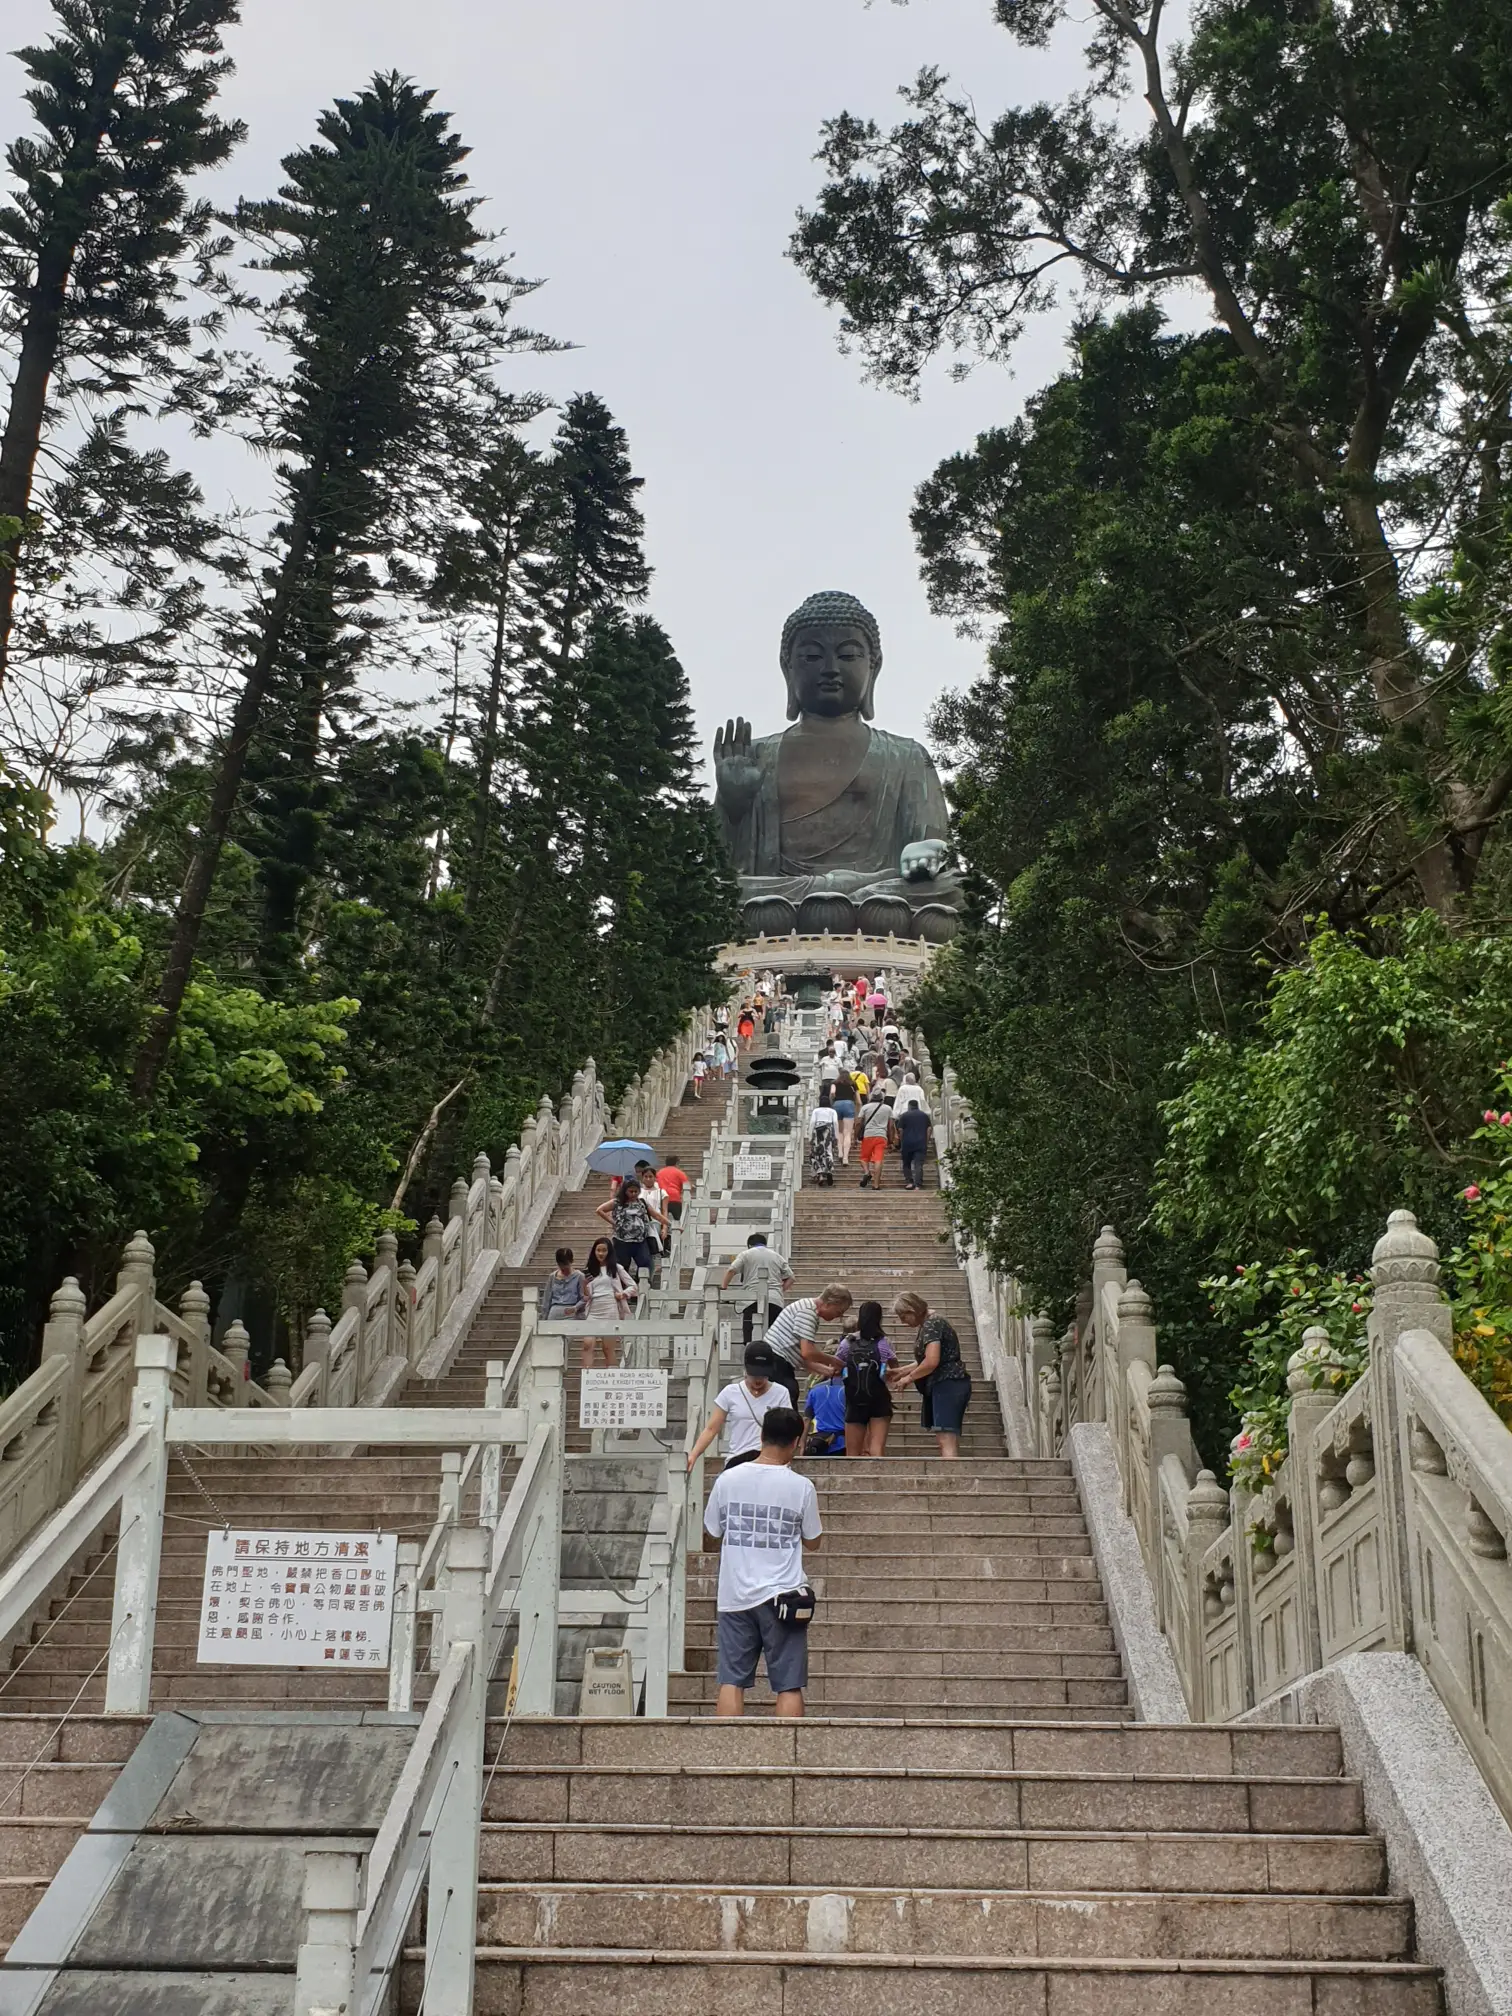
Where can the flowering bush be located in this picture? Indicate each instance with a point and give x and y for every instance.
(1480, 1271)
(1276, 1305)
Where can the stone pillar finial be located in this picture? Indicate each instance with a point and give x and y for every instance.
(1134, 1305)
(1108, 1250)
(481, 1167)
(1166, 1393)
(278, 1383)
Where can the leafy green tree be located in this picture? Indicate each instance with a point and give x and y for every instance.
(1331, 178)
(95, 238)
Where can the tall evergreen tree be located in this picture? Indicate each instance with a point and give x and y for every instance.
(99, 226)
(373, 240)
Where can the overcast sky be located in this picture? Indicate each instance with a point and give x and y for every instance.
(645, 158)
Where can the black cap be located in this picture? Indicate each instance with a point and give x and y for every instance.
(760, 1358)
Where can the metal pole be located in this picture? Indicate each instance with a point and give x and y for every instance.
(539, 1601)
(451, 1904)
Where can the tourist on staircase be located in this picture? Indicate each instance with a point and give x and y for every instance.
(762, 1518)
(630, 1219)
(824, 1133)
(565, 1296)
(877, 1132)
(672, 1180)
(910, 1093)
(845, 1112)
(766, 1274)
(792, 1337)
(912, 1126)
(743, 1405)
(824, 1416)
(942, 1379)
(864, 1360)
(611, 1297)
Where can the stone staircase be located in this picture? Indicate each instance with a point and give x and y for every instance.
(967, 1822)
(53, 1775)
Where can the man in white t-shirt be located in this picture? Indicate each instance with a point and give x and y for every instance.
(744, 1404)
(762, 1518)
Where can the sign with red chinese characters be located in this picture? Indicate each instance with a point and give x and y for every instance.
(297, 1599)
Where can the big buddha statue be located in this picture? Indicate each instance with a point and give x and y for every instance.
(835, 825)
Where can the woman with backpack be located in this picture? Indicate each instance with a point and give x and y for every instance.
(865, 1358)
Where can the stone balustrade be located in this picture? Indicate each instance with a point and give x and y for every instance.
(395, 1318)
(1384, 1528)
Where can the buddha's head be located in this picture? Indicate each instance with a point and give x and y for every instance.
(831, 655)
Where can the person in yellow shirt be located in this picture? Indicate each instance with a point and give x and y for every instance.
(863, 1083)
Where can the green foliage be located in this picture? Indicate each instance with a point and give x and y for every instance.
(1480, 1268)
(1271, 1308)
(297, 1238)
(1358, 1093)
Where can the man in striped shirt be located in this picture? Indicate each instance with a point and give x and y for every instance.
(791, 1337)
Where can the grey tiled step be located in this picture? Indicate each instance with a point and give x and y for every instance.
(783, 1796)
(967, 1923)
(986, 1858)
(600, 1983)
(81, 1739)
(1267, 1750)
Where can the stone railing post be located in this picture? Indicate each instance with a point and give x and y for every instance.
(496, 1241)
(452, 1893)
(1170, 1435)
(1405, 1276)
(317, 1351)
(659, 1651)
(386, 1255)
(277, 1383)
(194, 1313)
(64, 1338)
(1136, 1345)
(430, 1241)
(354, 1297)
(1309, 1405)
(1208, 1517)
(236, 1346)
(1108, 1270)
(1042, 1358)
(546, 1145)
(137, 1272)
(456, 1207)
(404, 1309)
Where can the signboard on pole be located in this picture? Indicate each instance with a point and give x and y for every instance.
(726, 1338)
(752, 1168)
(623, 1397)
(297, 1599)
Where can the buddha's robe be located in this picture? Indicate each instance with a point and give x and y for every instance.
(853, 844)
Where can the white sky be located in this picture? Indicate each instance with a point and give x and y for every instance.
(646, 157)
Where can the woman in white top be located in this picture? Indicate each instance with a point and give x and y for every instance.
(611, 1296)
(743, 1404)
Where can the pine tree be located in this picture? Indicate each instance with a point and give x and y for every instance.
(99, 224)
(373, 239)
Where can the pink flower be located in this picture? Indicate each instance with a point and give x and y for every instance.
(1296, 1287)
(1489, 1117)
(1237, 1268)
(1357, 1307)
(1470, 1192)
(1241, 1441)
(1506, 1120)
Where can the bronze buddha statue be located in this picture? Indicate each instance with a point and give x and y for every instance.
(835, 825)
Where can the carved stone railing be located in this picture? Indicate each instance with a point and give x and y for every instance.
(395, 1321)
(1384, 1528)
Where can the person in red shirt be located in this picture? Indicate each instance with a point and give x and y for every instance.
(672, 1181)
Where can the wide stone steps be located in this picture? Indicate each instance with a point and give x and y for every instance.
(53, 1775)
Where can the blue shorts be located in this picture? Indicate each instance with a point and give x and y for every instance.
(746, 1635)
(945, 1405)
(845, 1109)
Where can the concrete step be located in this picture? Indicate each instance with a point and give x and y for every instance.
(898, 1797)
(597, 1982)
(979, 1924)
(1014, 1858)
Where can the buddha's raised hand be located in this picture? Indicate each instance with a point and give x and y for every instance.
(737, 775)
(923, 859)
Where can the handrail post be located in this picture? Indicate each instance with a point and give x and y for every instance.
(659, 1610)
(677, 1565)
(451, 1908)
(493, 1452)
(325, 1972)
(448, 1513)
(401, 1694)
(139, 1551)
(538, 1605)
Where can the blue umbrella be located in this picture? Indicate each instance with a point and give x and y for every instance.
(618, 1158)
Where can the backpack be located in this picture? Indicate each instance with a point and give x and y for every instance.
(864, 1379)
